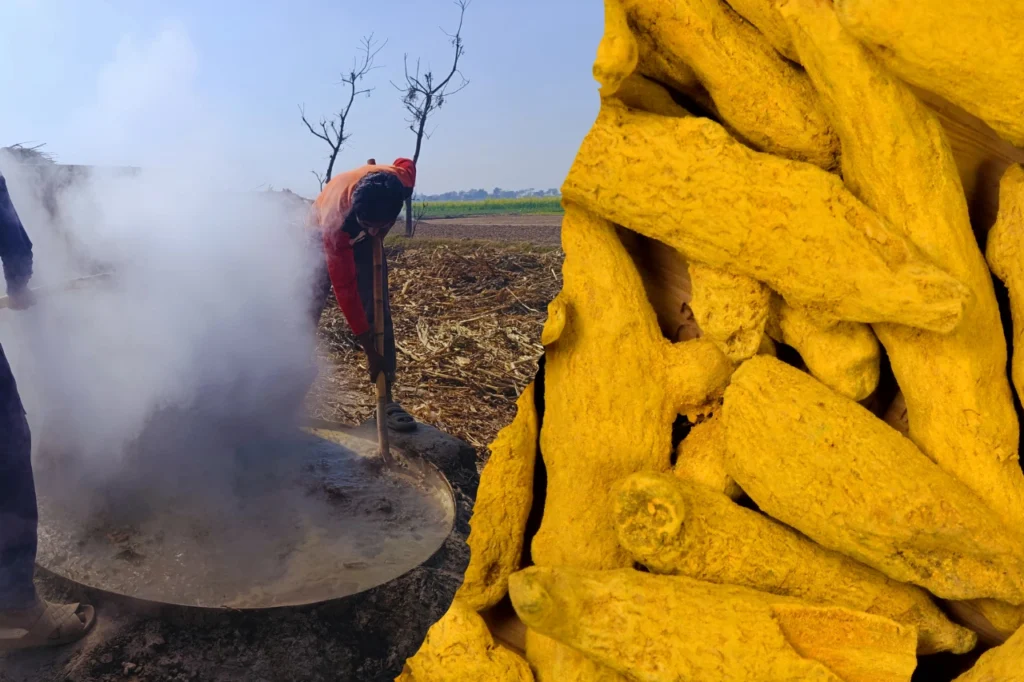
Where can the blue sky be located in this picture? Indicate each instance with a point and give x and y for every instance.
(196, 82)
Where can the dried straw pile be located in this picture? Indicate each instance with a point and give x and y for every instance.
(467, 318)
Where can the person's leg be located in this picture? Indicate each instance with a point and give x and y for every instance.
(18, 513)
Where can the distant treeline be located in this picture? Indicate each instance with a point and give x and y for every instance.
(482, 194)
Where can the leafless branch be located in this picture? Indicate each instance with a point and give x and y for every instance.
(333, 131)
(423, 94)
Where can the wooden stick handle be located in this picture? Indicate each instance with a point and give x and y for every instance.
(378, 333)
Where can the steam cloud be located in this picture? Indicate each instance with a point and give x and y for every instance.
(208, 310)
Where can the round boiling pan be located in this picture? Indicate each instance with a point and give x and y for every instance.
(296, 519)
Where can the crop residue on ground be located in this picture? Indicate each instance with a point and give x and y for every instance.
(467, 319)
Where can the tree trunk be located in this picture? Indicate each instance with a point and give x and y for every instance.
(408, 217)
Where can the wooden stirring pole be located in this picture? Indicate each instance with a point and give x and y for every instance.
(378, 333)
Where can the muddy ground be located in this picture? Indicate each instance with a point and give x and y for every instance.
(537, 229)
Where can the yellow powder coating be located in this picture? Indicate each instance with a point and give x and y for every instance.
(459, 647)
(604, 420)
(839, 639)
(731, 310)
(665, 628)
(503, 504)
(688, 184)
(1005, 253)
(970, 51)
(767, 100)
(700, 458)
(844, 356)
(679, 528)
(1004, 663)
(764, 15)
(827, 467)
(896, 159)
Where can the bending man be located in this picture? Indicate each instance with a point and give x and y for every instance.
(353, 208)
(25, 619)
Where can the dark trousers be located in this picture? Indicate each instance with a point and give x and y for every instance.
(18, 513)
(364, 283)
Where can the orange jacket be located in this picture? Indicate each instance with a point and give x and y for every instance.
(335, 200)
(330, 210)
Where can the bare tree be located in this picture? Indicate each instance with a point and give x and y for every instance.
(332, 131)
(424, 94)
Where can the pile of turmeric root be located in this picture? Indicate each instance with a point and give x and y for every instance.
(780, 148)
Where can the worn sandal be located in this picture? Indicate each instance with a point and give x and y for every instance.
(398, 419)
(45, 625)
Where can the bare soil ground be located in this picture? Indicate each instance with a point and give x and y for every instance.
(535, 229)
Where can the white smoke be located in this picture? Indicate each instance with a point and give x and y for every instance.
(209, 305)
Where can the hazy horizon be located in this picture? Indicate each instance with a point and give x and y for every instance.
(117, 82)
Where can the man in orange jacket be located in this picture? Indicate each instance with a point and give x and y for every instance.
(352, 209)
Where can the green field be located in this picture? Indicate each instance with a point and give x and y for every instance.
(463, 209)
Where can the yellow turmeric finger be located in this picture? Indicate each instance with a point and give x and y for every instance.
(1005, 254)
(993, 620)
(655, 628)
(616, 68)
(618, 52)
(731, 310)
(787, 224)
(1005, 618)
(1004, 663)
(970, 51)
(621, 54)
(844, 356)
(639, 92)
(679, 528)
(503, 504)
(767, 100)
(553, 661)
(856, 646)
(896, 160)
(619, 412)
(613, 387)
(832, 470)
(459, 647)
(700, 458)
